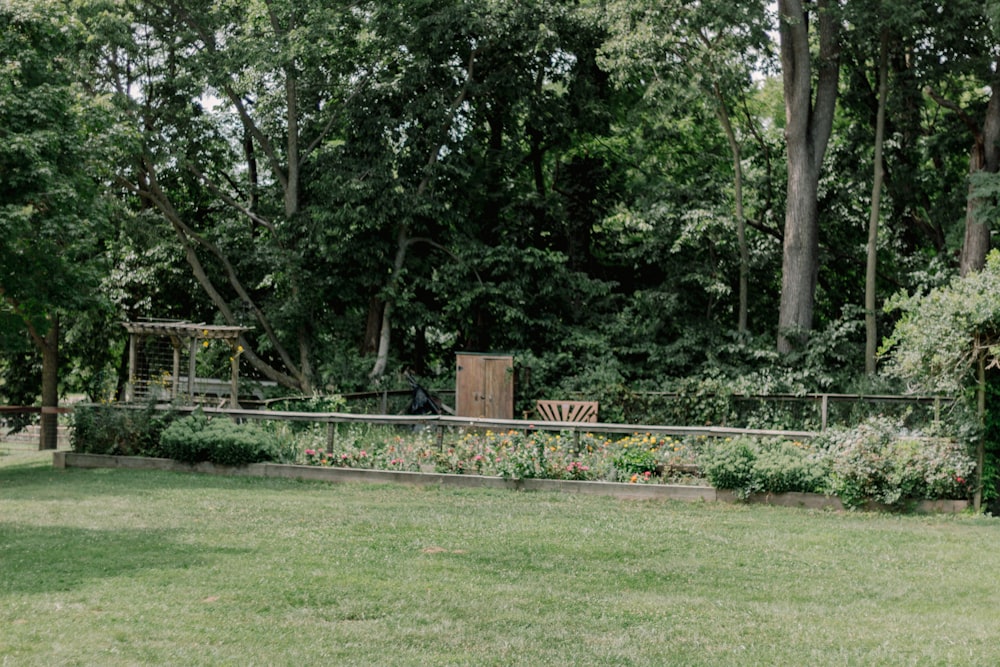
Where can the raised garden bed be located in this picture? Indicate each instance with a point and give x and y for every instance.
(62, 459)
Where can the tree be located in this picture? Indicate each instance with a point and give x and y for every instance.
(952, 55)
(234, 102)
(946, 340)
(718, 46)
(50, 208)
(809, 113)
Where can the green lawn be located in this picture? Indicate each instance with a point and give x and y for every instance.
(110, 567)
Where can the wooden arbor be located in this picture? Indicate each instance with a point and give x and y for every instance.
(155, 373)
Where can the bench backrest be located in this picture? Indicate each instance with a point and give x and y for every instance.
(567, 411)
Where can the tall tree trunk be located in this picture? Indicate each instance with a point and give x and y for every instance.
(49, 346)
(985, 157)
(741, 224)
(809, 121)
(871, 328)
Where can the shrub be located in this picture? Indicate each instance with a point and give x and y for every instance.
(197, 438)
(729, 465)
(874, 462)
(635, 461)
(783, 467)
(747, 465)
(118, 430)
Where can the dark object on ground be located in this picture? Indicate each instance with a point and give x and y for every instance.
(421, 402)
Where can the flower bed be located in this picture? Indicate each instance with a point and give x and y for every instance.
(876, 462)
(871, 464)
(514, 454)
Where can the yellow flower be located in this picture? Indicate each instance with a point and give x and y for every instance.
(204, 344)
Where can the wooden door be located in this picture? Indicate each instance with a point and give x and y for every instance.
(484, 386)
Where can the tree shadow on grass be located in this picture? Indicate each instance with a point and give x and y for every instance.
(42, 559)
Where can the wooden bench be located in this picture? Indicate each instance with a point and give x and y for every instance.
(567, 411)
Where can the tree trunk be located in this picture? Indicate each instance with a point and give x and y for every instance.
(984, 157)
(800, 258)
(809, 121)
(50, 386)
(741, 224)
(385, 331)
(871, 328)
(373, 324)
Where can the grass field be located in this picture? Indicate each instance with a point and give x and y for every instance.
(111, 567)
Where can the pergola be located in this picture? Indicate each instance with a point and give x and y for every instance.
(183, 336)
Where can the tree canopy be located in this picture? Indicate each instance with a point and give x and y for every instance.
(621, 194)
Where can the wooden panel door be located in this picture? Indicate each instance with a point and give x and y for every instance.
(498, 388)
(484, 386)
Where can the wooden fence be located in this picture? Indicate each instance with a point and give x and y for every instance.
(443, 423)
(20, 426)
(823, 409)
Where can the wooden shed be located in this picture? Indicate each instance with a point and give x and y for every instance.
(484, 385)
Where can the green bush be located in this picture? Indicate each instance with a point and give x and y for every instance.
(783, 467)
(728, 465)
(635, 461)
(874, 462)
(118, 430)
(197, 438)
(748, 465)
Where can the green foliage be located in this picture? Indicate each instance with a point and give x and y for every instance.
(118, 430)
(750, 465)
(939, 336)
(782, 467)
(873, 462)
(729, 465)
(53, 156)
(635, 460)
(876, 461)
(220, 440)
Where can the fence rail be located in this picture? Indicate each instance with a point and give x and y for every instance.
(20, 427)
(19, 424)
(444, 422)
(821, 410)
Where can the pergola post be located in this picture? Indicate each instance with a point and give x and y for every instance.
(175, 378)
(192, 367)
(130, 383)
(234, 379)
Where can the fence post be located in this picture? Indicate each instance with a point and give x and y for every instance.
(331, 436)
(824, 410)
